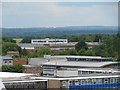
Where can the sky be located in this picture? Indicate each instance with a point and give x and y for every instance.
(59, 14)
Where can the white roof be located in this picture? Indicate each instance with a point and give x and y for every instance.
(93, 57)
(99, 69)
(24, 81)
(1, 85)
(12, 75)
(78, 63)
(75, 78)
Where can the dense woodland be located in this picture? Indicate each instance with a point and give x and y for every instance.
(109, 47)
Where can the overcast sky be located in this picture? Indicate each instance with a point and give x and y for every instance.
(58, 14)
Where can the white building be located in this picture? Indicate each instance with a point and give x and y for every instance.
(6, 60)
(49, 41)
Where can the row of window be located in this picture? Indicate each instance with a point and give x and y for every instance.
(7, 61)
(87, 59)
(67, 83)
(49, 41)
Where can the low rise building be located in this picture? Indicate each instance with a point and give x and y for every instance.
(77, 62)
(13, 53)
(37, 70)
(21, 81)
(6, 60)
(83, 82)
(20, 61)
(49, 41)
(54, 47)
(92, 44)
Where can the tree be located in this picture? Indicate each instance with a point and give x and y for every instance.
(8, 46)
(80, 45)
(5, 68)
(26, 40)
(15, 68)
(24, 52)
(43, 51)
(68, 52)
(81, 51)
(89, 52)
(116, 45)
(8, 39)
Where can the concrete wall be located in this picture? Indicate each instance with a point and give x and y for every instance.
(54, 84)
(66, 73)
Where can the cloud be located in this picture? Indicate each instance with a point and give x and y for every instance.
(58, 14)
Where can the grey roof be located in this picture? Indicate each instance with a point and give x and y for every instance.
(78, 64)
(40, 61)
(6, 57)
(36, 61)
(40, 45)
(29, 45)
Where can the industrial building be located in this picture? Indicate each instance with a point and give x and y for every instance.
(49, 41)
(30, 81)
(78, 62)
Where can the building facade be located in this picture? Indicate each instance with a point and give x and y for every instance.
(49, 41)
(78, 62)
(6, 60)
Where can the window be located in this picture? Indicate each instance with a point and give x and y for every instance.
(9, 61)
(5, 61)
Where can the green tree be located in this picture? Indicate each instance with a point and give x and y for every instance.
(89, 52)
(81, 51)
(68, 52)
(8, 46)
(24, 52)
(5, 68)
(43, 51)
(116, 45)
(8, 39)
(13, 68)
(80, 45)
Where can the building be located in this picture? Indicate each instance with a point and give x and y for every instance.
(30, 47)
(84, 82)
(86, 72)
(78, 62)
(49, 41)
(6, 60)
(21, 81)
(92, 44)
(2, 85)
(54, 47)
(13, 53)
(46, 58)
(20, 61)
(30, 81)
(37, 70)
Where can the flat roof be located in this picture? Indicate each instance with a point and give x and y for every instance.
(74, 78)
(89, 57)
(99, 69)
(5, 57)
(78, 63)
(24, 81)
(29, 45)
(12, 75)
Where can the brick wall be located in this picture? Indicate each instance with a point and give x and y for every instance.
(20, 61)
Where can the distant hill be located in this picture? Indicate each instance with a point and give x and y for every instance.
(58, 31)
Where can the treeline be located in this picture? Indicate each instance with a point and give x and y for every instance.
(109, 46)
(86, 38)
